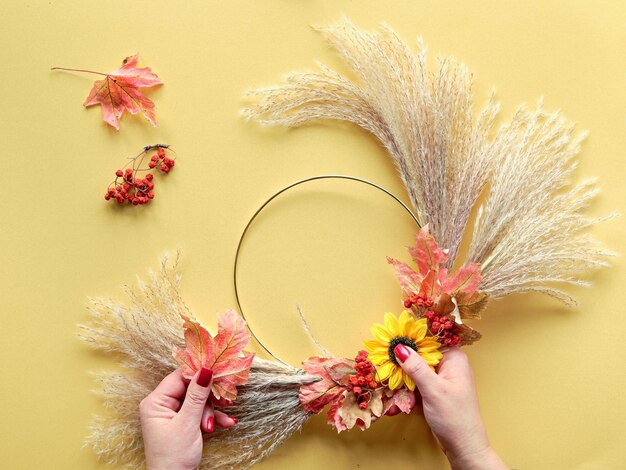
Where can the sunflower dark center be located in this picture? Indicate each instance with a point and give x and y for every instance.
(408, 342)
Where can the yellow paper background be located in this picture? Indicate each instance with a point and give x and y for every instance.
(551, 381)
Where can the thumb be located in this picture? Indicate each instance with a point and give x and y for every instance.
(412, 363)
(197, 394)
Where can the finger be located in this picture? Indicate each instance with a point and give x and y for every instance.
(167, 394)
(412, 363)
(223, 420)
(172, 385)
(221, 402)
(196, 397)
(207, 424)
(454, 364)
(418, 409)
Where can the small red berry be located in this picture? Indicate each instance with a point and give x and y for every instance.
(119, 173)
(152, 164)
(161, 153)
(407, 303)
(149, 176)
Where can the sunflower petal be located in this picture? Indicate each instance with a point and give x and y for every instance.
(378, 357)
(373, 345)
(396, 381)
(405, 323)
(385, 370)
(433, 358)
(380, 333)
(408, 381)
(427, 348)
(391, 324)
(419, 329)
(428, 344)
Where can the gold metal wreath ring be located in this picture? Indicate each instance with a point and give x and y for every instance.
(270, 199)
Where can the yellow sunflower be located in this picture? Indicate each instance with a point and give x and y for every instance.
(404, 330)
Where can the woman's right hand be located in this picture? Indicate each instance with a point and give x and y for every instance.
(451, 408)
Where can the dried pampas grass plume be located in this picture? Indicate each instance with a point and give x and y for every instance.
(529, 231)
(424, 120)
(143, 334)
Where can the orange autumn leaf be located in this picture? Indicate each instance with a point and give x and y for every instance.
(222, 353)
(409, 279)
(470, 304)
(465, 279)
(316, 395)
(403, 398)
(119, 91)
(426, 253)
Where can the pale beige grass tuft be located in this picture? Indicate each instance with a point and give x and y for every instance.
(530, 231)
(142, 336)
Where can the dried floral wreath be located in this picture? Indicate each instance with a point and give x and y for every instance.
(527, 236)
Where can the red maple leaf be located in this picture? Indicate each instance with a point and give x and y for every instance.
(222, 353)
(119, 91)
(409, 279)
(315, 396)
(426, 253)
(433, 281)
(465, 279)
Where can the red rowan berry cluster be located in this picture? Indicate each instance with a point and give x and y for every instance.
(164, 163)
(418, 301)
(128, 186)
(444, 327)
(363, 382)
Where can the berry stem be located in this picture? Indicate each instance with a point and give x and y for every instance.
(79, 70)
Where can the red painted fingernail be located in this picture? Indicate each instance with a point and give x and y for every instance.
(210, 424)
(402, 352)
(204, 377)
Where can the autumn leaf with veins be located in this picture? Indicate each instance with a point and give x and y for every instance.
(120, 91)
(222, 353)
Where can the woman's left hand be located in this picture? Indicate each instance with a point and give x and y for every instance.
(173, 417)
